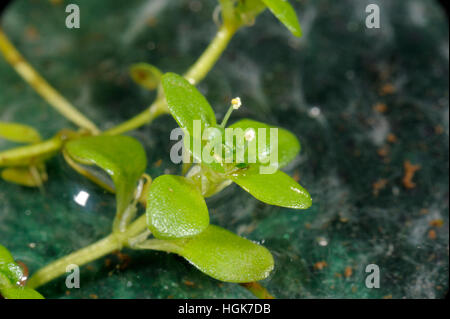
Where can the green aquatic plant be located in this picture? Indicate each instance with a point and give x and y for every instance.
(176, 218)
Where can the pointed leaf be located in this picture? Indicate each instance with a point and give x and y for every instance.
(275, 189)
(146, 75)
(186, 103)
(221, 254)
(122, 157)
(8, 266)
(288, 144)
(19, 133)
(283, 10)
(175, 208)
(20, 293)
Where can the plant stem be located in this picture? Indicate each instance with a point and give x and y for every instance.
(26, 155)
(79, 258)
(41, 86)
(87, 254)
(195, 74)
(145, 117)
(212, 53)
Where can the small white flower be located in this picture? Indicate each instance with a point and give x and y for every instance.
(249, 134)
(236, 102)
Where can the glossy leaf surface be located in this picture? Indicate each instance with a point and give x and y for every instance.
(222, 255)
(288, 144)
(275, 189)
(186, 103)
(175, 208)
(284, 12)
(122, 157)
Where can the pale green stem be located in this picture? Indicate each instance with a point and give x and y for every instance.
(41, 86)
(145, 117)
(226, 117)
(212, 53)
(87, 254)
(195, 74)
(26, 155)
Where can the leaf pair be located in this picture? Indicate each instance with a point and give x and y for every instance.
(187, 105)
(121, 157)
(10, 276)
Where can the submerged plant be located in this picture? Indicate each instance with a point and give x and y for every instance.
(176, 218)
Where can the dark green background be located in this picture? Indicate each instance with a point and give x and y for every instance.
(338, 66)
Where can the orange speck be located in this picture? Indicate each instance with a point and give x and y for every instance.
(387, 89)
(410, 170)
(383, 152)
(438, 129)
(348, 271)
(296, 176)
(391, 138)
(320, 265)
(158, 163)
(387, 297)
(31, 33)
(437, 223)
(380, 107)
(432, 234)
(379, 185)
(93, 296)
(189, 283)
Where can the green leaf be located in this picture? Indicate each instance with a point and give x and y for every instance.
(221, 254)
(146, 75)
(275, 189)
(288, 144)
(186, 103)
(19, 133)
(5, 255)
(122, 157)
(24, 176)
(8, 266)
(20, 293)
(175, 208)
(286, 14)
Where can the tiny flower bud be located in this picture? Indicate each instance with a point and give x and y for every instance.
(236, 102)
(249, 134)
